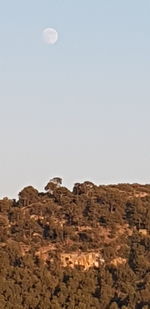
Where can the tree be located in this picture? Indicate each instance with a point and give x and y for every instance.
(114, 306)
(28, 196)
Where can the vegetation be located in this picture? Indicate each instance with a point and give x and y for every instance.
(85, 249)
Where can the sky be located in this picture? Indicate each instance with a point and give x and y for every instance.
(78, 109)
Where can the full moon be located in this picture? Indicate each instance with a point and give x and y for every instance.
(50, 36)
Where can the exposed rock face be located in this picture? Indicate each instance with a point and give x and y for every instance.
(141, 194)
(84, 259)
(35, 217)
(143, 232)
(118, 261)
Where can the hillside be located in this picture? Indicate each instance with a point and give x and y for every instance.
(89, 248)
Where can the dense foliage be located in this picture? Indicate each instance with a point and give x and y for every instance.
(110, 221)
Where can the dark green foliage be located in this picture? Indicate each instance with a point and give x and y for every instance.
(113, 221)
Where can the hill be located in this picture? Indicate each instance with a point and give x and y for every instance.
(89, 248)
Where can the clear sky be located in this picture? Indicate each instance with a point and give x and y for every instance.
(79, 109)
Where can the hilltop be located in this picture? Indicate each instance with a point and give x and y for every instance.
(85, 248)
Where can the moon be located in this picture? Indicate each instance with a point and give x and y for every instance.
(50, 36)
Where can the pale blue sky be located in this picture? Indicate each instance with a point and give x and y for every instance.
(79, 109)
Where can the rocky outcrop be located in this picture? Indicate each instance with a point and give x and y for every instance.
(84, 259)
(143, 232)
(118, 261)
